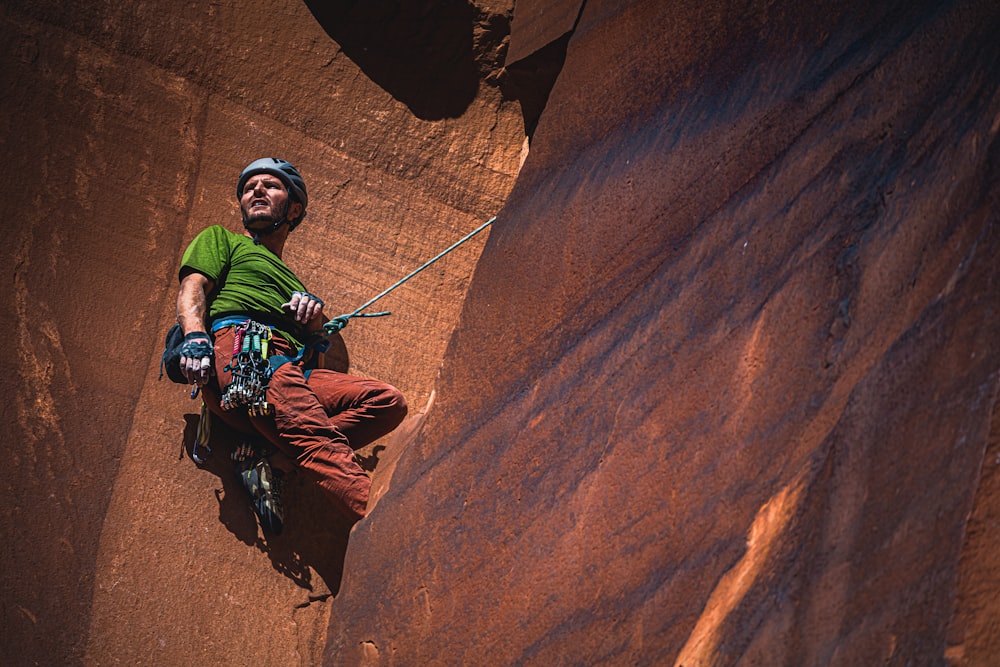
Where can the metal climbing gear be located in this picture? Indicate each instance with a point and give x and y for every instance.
(250, 370)
(203, 435)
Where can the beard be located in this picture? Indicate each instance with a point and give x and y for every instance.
(260, 217)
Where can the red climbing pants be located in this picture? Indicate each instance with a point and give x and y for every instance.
(318, 422)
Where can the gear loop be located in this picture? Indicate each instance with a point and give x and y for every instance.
(250, 370)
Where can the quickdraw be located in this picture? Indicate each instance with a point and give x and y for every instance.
(250, 370)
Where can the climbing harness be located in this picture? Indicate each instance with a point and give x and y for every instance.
(250, 370)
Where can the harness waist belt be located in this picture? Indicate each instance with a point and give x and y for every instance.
(223, 320)
(228, 321)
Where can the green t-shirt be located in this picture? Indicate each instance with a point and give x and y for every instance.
(249, 279)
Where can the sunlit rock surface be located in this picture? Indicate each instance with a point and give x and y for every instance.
(719, 390)
(124, 129)
(722, 385)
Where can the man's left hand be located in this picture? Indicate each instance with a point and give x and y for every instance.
(304, 306)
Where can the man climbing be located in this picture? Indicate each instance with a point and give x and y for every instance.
(238, 303)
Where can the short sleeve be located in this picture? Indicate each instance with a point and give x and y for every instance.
(209, 253)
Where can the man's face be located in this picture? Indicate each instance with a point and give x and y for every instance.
(263, 199)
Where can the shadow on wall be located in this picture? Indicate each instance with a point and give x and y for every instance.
(420, 52)
(313, 542)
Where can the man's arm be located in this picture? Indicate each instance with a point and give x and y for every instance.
(192, 305)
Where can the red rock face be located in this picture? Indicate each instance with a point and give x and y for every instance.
(124, 129)
(722, 384)
(719, 390)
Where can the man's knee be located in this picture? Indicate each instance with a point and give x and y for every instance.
(394, 406)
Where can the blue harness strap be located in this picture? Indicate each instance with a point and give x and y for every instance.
(319, 343)
(228, 321)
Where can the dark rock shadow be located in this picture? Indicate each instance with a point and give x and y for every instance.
(419, 51)
(369, 460)
(530, 80)
(315, 535)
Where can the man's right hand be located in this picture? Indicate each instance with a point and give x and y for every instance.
(196, 350)
(196, 357)
(304, 307)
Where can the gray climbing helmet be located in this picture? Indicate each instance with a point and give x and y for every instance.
(286, 173)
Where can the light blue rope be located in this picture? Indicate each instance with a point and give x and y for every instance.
(339, 322)
(321, 342)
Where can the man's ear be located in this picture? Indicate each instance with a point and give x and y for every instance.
(295, 211)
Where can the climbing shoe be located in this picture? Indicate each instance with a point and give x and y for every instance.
(263, 483)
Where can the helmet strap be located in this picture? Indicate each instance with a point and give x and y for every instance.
(257, 233)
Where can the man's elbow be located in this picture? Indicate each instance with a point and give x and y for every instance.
(195, 282)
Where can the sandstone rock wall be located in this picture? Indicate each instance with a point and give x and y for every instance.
(124, 127)
(722, 385)
(719, 390)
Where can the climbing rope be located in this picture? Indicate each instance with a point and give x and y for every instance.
(339, 322)
(321, 342)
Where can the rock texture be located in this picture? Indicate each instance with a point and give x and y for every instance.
(722, 385)
(721, 388)
(124, 128)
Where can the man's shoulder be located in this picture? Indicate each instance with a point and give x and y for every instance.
(217, 232)
(209, 251)
(217, 238)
